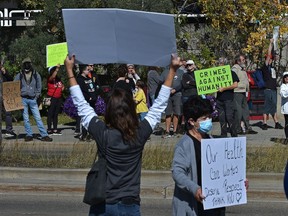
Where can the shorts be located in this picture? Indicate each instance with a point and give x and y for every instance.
(174, 105)
(270, 101)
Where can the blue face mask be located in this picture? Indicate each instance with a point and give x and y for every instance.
(205, 126)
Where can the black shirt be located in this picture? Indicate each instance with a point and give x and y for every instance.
(270, 82)
(228, 94)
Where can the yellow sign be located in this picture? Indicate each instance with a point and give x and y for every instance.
(11, 96)
(210, 80)
(56, 54)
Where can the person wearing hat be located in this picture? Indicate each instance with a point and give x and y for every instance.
(30, 87)
(284, 101)
(270, 91)
(54, 90)
(188, 81)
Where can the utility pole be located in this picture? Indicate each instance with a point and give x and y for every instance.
(1, 102)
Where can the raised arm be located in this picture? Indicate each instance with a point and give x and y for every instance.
(269, 54)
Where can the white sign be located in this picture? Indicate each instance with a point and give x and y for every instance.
(223, 167)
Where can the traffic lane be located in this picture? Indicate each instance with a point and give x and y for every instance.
(70, 204)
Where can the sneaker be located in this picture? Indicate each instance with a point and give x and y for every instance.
(264, 127)
(241, 132)
(10, 134)
(250, 131)
(278, 126)
(28, 138)
(77, 133)
(50, 132)
(57, 133)
(82, 137)
(166, 135)
(46, 139)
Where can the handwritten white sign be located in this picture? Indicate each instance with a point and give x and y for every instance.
(223, 167)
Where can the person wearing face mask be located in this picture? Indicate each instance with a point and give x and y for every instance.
(188, 197)
(30, 87)
(240, 92)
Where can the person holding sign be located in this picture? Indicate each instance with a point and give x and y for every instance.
(186, 166)
(124, 143)
(8, 115)
(270, 91)
(55, 88)
(225, 105)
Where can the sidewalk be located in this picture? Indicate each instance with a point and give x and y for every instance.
(67, 140)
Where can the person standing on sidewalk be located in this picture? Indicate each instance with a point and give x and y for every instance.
(225, 104)
(174, 107)
(153, 81)
(30, 87)
(90, 92)
(8, 115)
(270, 91)
(125, 141)
(55, 88)
(284, 101)
(240, 100)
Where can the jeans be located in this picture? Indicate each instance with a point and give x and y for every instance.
(117, 209)
(142, 115)
(32, 104)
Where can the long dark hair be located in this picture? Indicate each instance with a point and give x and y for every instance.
(121, 113)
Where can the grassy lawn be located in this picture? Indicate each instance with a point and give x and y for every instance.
(155, 157)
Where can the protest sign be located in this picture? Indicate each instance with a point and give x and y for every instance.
(211, 79)
(56, 54)
(275, 37)
(11, 96)
(101, 36)
(223, 172)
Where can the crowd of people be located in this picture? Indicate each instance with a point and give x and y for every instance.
(133, 112)
(231, 106)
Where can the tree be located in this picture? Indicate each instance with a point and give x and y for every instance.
(246, 25)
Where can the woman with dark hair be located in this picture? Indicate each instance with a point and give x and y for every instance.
(124, 142)
(187, 199)
(55, 88)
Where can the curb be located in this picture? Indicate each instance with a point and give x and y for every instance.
(154, 184)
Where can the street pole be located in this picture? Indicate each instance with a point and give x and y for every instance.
(1, 102)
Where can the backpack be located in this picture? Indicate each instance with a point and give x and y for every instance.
(258, 78)
(34, 74)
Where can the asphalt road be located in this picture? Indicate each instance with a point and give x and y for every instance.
(15, 204)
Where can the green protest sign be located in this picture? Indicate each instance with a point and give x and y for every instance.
(56, 54)
(210, 80)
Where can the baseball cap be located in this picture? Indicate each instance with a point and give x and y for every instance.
(26, 60)
(190, 62)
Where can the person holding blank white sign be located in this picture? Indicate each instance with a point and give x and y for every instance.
(186, 167)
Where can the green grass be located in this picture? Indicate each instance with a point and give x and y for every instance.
(155, 157)
(63, 119)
